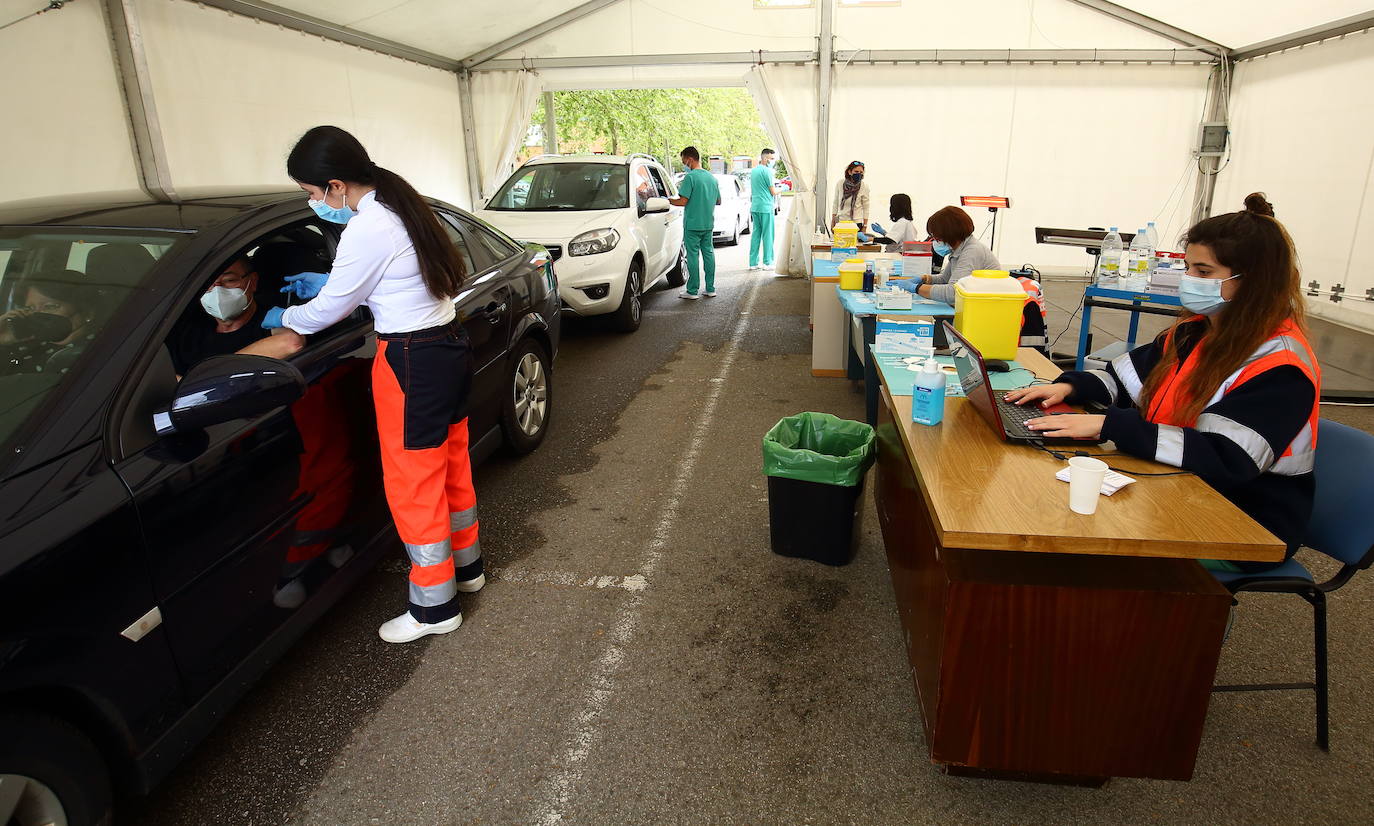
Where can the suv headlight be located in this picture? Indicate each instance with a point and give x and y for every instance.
(596, 241)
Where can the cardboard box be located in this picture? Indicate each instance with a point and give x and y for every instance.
(904, 335)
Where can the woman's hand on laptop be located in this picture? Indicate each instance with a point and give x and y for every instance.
(1068, 425)
(1046, 394)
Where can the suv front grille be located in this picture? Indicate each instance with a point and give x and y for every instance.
(555, 250)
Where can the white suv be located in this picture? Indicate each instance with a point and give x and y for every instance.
(606, 220)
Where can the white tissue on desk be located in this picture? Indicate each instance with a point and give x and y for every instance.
(1111, 483)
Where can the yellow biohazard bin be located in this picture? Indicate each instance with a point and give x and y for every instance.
(846, 235)
(987, 311)
(852, 274)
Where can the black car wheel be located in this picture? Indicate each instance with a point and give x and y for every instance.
(525, 414)
(50, 773)
(631, 310)
(677, 276)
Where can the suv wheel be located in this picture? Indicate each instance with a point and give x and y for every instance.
(525, 414)
(734, 238)
(50, 773)
(677, 276)
(631, 310)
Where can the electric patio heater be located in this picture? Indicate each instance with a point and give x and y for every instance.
(993, 203)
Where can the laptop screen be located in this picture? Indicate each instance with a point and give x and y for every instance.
(973, 377)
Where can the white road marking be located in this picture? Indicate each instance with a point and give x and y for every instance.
(524, 576)
(557, 789)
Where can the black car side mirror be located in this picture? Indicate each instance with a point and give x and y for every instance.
(223, 388)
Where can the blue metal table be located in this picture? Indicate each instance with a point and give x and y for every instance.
(1107, 298)
(859, 304)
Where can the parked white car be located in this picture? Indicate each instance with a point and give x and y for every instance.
(732, 213)
(606, 220)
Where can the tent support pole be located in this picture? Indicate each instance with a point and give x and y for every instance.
(550, 126)
(1217, 110)
(826, 52)
(552, 24)
(469, 137)
(131, 61)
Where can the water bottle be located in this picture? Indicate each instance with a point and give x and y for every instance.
(1137, 275)
(928, 394)
(1153, 232)
(1109, 261)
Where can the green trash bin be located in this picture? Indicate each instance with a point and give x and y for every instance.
(815, 463)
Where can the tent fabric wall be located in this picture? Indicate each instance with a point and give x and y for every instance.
(1073, 146)
(66, 130)
(1310, 149)
(502, 103)
(786, 100)
(234, 95)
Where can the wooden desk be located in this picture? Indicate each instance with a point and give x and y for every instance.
(1089, 657)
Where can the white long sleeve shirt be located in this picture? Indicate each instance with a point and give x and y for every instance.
(902, 231)
(855, 209)
(375, 265)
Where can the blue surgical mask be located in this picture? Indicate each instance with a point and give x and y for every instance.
(1202, 295)
(941, 248)
(337, 215)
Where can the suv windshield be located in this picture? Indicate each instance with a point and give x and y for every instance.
(59, 286)
(553, 186)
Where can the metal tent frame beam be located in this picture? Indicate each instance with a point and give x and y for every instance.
(1357, 23)
(1158, 27)
(538, 30)
(131, 61)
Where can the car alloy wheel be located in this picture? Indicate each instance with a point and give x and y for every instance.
(628, 315)
(27, 802)
(531, 394)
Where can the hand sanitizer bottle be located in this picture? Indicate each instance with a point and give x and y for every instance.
(928, 394)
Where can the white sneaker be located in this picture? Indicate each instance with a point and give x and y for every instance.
(406, 628)
(289, 596)
(710, 294)
(340, 554)
(472, 586)
(688, 296)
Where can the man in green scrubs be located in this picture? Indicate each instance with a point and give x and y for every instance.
(762, 193)
(698, 193)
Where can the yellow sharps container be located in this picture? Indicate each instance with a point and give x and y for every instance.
(987, 311)
(852, 274)
(846, 235)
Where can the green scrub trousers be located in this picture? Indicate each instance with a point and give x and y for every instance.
(699, 242)
(761, 235)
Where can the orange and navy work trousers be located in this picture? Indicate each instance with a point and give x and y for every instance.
(420, 385)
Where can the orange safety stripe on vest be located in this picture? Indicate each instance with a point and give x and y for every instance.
(1278, 350)
(1033, 292)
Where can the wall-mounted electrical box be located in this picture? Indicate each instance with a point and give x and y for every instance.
(1211, 142)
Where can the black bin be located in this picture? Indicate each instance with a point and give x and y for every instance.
(815, 463)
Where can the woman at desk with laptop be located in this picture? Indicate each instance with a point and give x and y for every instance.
(1232, 391)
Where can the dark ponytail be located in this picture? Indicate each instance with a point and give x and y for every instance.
(328, 153)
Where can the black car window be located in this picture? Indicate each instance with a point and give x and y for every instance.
(565, 185)
(659, 183)
(499, 247)
(475, 264)
(59, 287)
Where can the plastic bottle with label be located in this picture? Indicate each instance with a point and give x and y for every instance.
(928, 394)
(1136, 277)
(1109, 261)
(1153, 231)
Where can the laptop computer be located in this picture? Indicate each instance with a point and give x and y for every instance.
(1007, 420)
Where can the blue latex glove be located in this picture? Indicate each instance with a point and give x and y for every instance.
(878, 228)
(908, 284)
(305, 285)
(863, 237)
(273, 318)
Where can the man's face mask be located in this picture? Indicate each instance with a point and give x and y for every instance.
(225, 303)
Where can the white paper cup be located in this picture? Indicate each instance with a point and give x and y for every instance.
(1085, 483)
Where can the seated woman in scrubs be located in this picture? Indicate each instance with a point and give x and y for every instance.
(951, 230)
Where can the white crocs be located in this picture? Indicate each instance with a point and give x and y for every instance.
(406, 628)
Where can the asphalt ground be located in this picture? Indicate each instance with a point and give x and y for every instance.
(641, 656)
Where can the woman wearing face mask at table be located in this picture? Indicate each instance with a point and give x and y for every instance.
(394, 257)
(951, 231)
(1231, 392)
(851, 197)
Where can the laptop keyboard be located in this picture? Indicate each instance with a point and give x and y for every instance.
(1015, 416)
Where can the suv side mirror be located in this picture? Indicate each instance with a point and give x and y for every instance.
(656, 205)
(223, 388)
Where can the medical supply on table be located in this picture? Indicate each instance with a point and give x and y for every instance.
(916, 258)
(882, 271)
(1139, 263)
(988, 306)
(846, 234)
(1085, 483)
(870, 276)
(1109, 260)
(928, 394)
(1168, 267)
(892, 299)
(1111, 483)
(852, 274)
(1153, 233)
(904, 336)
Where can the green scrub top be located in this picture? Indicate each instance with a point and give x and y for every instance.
(702, 192)
(759, 182)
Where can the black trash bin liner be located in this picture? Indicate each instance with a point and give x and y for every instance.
(815, 463)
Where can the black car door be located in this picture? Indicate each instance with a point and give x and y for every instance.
(248, 519)
(484, 307)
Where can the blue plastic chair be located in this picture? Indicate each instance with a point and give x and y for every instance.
(1342, 529)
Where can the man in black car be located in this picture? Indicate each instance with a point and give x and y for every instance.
(234, 324)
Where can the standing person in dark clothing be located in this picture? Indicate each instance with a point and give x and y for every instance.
(1232, 391)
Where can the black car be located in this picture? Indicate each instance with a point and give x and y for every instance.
(164, 539)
